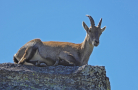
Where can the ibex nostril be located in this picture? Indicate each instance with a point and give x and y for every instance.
(97, 41)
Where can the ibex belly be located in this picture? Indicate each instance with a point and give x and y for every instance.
(37, 57)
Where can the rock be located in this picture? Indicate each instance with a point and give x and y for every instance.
(22, 77)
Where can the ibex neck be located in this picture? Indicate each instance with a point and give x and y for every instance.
(86, 50)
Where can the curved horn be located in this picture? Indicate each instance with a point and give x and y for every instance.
(99, 25)
(91, 20)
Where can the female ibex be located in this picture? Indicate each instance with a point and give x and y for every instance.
(61, 53)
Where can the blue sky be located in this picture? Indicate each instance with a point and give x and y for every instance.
(61, 20)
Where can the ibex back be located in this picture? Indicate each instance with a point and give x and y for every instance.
(61, 53)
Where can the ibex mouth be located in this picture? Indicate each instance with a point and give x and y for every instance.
(96, 44)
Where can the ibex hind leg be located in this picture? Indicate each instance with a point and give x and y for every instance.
(28, 54)
(69, 58)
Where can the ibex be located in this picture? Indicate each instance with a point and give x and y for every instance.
(61, 53)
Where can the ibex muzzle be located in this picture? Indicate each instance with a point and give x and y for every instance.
(61, 53)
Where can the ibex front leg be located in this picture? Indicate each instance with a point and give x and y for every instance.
(38, 63)
(64, 55)
(28, 54)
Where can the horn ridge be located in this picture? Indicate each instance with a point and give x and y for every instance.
(99, 25)
(91, 20)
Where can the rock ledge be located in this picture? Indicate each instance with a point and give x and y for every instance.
(22, 77)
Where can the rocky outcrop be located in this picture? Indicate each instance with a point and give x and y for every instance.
(22, 77)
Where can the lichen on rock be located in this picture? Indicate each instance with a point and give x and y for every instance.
(86, 77)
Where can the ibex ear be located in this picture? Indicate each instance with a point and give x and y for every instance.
(85, 26)
(102, 29)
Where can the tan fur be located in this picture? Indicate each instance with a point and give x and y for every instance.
(60, 53)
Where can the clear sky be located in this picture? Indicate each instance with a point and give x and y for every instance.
(61, 20)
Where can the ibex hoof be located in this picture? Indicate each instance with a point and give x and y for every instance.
(40, 64)
(56, 63)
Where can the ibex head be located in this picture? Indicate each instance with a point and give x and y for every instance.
(93, 31)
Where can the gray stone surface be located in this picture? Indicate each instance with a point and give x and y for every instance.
(22, 77)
